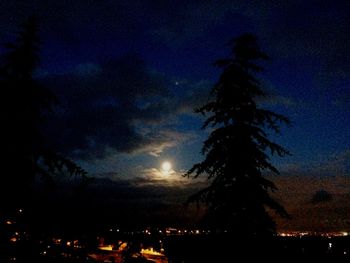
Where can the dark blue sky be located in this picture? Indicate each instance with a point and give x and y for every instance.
(129, 73)
(170, 47)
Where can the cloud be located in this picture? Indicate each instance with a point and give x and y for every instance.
(154, 176)
(99, 105)
(117, 106)
(156, 141)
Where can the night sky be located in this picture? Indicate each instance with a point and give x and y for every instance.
(128, 75)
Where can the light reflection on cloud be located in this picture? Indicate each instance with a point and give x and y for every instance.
(173, 177)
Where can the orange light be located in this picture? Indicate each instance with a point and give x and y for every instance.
(107, 248)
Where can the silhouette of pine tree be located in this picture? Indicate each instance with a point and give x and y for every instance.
(236, 152)
(25, 105)
(24, 154)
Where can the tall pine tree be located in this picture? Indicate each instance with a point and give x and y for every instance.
(237, 150)
(24, 153)
(25, 105)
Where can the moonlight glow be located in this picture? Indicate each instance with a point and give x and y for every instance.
(166, 167)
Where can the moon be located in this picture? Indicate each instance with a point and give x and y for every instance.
(166, 167)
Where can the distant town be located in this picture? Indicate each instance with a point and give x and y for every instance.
(152, 244)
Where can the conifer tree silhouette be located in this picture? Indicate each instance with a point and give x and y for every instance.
(237, 150)
(25, 105)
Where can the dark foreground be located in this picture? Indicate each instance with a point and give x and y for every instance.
(226, 249)
(187, 249)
